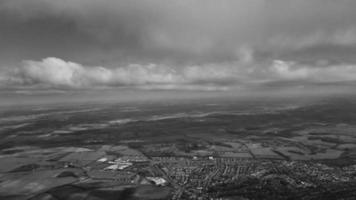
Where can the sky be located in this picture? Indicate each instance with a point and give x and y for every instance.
(225, 46)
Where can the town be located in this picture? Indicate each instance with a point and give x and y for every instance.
(220, 173)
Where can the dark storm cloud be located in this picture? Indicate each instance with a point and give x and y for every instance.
(189, 31)
(172, 44)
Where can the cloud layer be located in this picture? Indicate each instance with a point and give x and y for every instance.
(170, 44)
(56, 73)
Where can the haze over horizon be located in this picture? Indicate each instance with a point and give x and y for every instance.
(141, 49)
